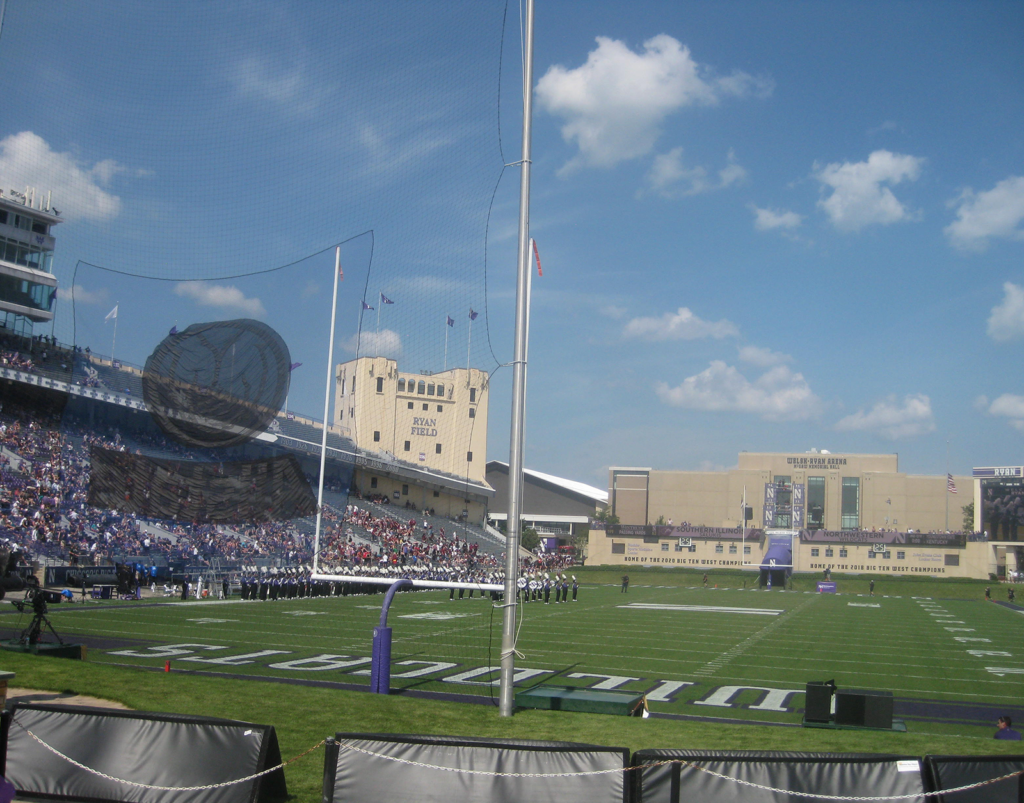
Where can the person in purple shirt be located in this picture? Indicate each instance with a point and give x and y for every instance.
(1005, 730)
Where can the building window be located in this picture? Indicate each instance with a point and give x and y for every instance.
(872, 554)
(430, 389)
(437, 448)
(407, 446)
(380, 384)
(353, 386)
(679, 547)
(440, 390)
(783, 502)
(469, 457)
(410, 405)
(373, 482)
(900, 555)
(719, 549)
(842, 552)
(952, 560)
(693, 548)
(814, 552)
(421, 388)
(440, 408)
(664, 546)
(343, 386)
(376, 436)
(887, 555)
(618, 549)
(401, 386)
(472, 395)
(472, 412)
(850, 505)
(815, 503)
(746, 550)
(437, 494)
(405, 490)
(426, 407)
(732, 549)
(828, 552)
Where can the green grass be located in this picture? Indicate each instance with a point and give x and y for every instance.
(899, 646)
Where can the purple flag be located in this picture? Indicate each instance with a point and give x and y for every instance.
(451, 321)
(294, 365)
(366, 306)
(174, 330)
(53, 297)
(472, 315)
(385, 300)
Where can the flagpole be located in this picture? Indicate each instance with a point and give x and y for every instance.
(327, 404)
(376, 351)
(948, 476)
(113, 343)
(469, 341)
(515, 461)
(446, 328)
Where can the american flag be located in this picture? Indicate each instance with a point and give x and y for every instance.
(950, 485)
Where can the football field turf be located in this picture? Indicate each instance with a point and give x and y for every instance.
(718, 653)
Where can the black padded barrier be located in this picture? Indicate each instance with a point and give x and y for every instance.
(356, 777)
(849, 774)
(155, 749)
(950, 772)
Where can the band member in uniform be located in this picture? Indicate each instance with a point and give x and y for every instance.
(575, 587)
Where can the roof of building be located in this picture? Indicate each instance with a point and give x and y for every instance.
(581, 488)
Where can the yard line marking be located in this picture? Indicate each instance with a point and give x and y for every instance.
(863, 604)
(714, 665)
(652, 606)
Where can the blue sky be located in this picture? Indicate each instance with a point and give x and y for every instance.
(769, 226)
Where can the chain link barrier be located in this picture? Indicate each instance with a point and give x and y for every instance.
(493, 774)
(683, 763)
(138, 785)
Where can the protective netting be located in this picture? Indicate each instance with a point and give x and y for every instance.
(217, 384)
(250, 491)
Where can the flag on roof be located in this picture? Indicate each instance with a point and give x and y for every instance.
(366, 306)
(111, 314)
(451, 321)
(385, 300)
(294, 365)
(174, 330)
(472, 314)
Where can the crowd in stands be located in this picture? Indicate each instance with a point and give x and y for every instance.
(44, 476)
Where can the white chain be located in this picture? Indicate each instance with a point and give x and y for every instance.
(684, 763)
(81, 766)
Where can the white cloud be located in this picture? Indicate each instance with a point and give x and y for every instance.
(82, 296)
(769, 219)
(858, 198)
(780, 394)
(1007, 319)
(681, 325)
(763, 358)
(1011, 407)
(893, 420)
(998, 212)
(615, 103)
(27, 160)
(386, 343)
(226, 297)
(613, 312)
(670, 178)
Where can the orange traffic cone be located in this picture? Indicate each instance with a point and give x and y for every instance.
(167, 666)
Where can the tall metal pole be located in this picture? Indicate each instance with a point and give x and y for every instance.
(327, 407)
(515, 461)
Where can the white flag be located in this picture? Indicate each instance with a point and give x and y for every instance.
(111, 314)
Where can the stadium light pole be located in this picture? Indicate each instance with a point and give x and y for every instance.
(506, 704)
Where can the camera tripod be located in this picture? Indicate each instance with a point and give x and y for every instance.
(30, 635)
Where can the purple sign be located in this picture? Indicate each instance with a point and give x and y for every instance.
(948, 540)
(826, 587)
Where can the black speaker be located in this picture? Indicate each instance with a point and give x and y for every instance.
(864, 709)
(818, 702)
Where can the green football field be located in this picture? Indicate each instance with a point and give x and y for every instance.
(733, 654)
